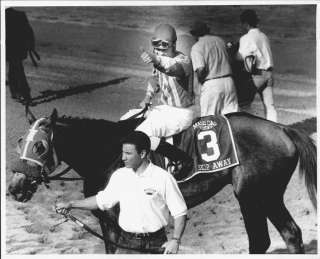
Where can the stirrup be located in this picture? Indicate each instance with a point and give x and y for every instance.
(179, 169)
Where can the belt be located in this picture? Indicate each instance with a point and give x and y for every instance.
(157, 233)
(228, 75)
(259, 71)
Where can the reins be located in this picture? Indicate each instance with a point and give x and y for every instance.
(69, 216)
(46, 178)
(143, 111)
(64, 171)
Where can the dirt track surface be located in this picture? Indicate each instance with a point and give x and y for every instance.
(86, 86)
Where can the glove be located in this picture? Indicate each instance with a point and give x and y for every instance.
(148, 57)
(145, 101)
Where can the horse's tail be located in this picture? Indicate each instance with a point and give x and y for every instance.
(308, 160)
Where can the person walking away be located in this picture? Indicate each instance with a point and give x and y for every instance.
(212, 68)
(146, 194)
(172, 78)
(19, 42)
(257, 45)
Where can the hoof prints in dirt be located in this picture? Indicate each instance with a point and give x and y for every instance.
(34, 229)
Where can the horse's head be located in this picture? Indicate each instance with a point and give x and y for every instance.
(37, 158)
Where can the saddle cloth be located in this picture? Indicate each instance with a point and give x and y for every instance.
(210, 142)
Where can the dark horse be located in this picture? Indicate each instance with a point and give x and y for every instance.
(268, 154)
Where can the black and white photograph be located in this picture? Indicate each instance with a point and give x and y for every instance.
(159, 127)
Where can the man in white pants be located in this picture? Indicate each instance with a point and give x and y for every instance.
(173, 78)
(212, 68)
(256, 43)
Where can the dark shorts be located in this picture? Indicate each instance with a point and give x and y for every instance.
(142, 244)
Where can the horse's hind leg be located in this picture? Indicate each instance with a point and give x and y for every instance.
(256, 226)
(288, 229)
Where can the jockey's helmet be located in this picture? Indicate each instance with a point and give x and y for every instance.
(164, 36)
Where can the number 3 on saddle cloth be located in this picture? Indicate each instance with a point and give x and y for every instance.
(210, 142)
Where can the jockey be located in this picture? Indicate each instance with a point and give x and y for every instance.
(173, 78)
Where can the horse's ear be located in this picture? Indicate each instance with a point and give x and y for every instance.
(54, 116)
(30, 117)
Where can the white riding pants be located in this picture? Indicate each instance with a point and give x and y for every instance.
(218, 96)
(166, 121)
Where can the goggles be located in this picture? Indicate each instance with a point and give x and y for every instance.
(160, 44)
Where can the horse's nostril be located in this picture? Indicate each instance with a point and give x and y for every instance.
(19, 197)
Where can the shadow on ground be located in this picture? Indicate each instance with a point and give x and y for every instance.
(50, 95)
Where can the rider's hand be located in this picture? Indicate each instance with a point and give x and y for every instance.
(148, 57)
(63, 207)
(171, 247)
(145, 101)
(229, 45)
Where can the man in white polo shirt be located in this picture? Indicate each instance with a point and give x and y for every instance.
(146, 194)
(255, 43)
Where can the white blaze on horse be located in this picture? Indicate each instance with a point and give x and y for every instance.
(267, 155)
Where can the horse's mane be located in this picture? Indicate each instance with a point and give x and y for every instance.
(94, 129)
(79, 121)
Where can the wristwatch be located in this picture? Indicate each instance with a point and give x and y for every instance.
(176, 238)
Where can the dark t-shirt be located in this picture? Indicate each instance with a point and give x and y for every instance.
(19, 35)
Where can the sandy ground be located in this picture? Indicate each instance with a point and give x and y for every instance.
(106, 88)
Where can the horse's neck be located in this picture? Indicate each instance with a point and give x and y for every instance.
(90, 146)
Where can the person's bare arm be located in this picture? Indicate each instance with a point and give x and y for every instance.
(172, 246)
(201, 74)
(85, 204)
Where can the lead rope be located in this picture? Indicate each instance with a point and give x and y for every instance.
(69, 216)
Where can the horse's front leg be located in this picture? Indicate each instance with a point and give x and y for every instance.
(107, 236)
(110, 228)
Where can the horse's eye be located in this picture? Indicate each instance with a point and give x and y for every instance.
(38, 148)
(45, 129)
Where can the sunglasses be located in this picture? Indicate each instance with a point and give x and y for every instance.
(160, 44)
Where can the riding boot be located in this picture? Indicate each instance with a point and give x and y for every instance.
(178, 156)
